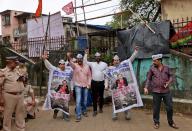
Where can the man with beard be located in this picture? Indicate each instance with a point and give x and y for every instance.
(97, 83)
(158, 79)
(82, 82)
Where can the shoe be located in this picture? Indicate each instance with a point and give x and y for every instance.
(85, 114)
(26, 120)
(156, 126)
(128, 116)
(54, 115)
(173, 125)
(94, 113)
(78, 119)
(100, 110)
(114, 118)
(30, 116)
(65, 117)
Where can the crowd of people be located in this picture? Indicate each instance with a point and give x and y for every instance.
(17, 96)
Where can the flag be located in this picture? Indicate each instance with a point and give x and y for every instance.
(68, 9)
(183, 36)
(39, 9)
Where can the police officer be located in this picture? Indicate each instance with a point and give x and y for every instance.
(11, 95)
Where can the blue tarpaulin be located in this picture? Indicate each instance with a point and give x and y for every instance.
(82, 42)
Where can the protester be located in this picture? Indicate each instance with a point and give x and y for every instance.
(97, 83)
(159, 78)
(11, 95)
(82, 82)
(51, 68)
(116, 62)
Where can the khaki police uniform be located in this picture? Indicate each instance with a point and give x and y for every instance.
(14, 99)
(30, 109)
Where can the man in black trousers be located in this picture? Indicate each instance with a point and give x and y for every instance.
(158, 79)
(97, 83)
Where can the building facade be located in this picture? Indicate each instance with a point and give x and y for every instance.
(176, 9)
(13, 25)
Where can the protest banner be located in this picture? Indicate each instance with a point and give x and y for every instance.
(123, 85)
(58, 91)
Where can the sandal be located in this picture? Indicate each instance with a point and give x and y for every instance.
(156, 126)
(173, 125)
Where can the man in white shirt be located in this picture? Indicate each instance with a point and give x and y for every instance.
(97, 83)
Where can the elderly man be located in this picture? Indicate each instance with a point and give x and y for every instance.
(11, 95)
(61, 67)
(158, 79)
(97, 83)
(82, 81)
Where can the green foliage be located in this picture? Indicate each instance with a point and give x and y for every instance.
(107, 58)
(149, 10)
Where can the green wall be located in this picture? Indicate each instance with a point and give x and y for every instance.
(181, 68)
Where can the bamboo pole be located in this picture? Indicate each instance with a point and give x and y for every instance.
(141, 20)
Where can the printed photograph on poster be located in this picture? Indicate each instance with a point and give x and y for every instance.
(58, 92)
(123, 85)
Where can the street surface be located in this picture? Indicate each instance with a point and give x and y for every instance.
(141, 121)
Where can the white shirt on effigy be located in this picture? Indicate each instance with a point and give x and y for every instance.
(97, 69)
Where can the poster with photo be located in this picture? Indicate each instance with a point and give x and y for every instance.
(58, 91)
(123, 85)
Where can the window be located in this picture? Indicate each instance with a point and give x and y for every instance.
(6, 19)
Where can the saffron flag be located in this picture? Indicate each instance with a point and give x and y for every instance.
(39, 9)
(68, 9)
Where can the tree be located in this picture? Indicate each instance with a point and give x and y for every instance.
(149, 10)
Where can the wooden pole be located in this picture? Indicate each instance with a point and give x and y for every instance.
(141, 20)
(45, 42)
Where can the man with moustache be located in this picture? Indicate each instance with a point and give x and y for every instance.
(11, 95)
(82, 82)
(97, 83)
(158, 79)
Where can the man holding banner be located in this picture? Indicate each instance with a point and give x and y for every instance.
(123, 84)
(58, 91)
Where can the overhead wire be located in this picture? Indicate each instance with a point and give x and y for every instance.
(79, 14)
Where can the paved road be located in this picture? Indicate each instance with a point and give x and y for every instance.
(141, 121)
